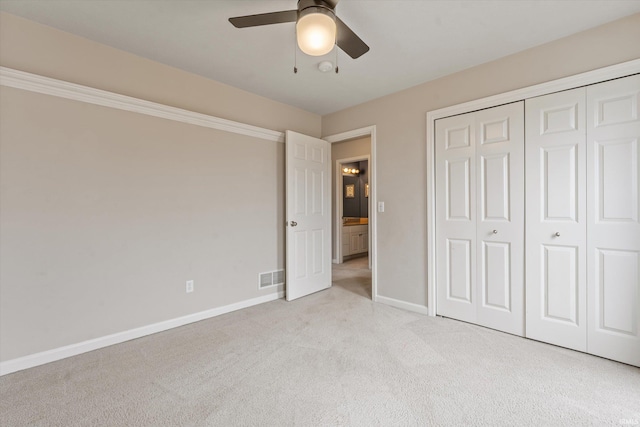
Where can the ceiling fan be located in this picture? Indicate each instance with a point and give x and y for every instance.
(318, 28)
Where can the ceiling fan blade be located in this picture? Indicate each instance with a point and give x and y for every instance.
(264, 19)
(349, 42)
(332, 3)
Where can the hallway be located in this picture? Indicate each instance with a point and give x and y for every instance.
(353, 275)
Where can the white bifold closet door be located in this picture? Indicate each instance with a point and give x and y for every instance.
(556, 219)
(480, 217)
(613, 223)
(583, 229)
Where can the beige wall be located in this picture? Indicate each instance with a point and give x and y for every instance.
(343, 150)
(105, 214)
(400, 121)
(35, 48)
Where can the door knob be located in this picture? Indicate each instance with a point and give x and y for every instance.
(293, 223)
(495, 231)
(557, 234)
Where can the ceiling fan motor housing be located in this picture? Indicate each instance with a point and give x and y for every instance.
(305, 4)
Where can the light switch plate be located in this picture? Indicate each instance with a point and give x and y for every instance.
(380, 206)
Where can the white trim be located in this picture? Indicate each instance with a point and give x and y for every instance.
(583, 79)
(373, 189)
(409, 306)
(48, 86)
(340, 206)
(351, 134)
(48, 356)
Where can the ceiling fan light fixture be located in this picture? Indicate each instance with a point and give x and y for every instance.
(316, 31)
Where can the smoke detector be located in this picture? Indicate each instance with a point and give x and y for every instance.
(325, 66)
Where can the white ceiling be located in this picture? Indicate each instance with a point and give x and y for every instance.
(411, 41)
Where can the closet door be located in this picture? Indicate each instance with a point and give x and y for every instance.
(500, 217)
(613, 236)
(556, 219)
(480, 217)
(456, 217)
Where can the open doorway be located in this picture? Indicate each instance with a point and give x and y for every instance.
(352, 204)
(353, 221)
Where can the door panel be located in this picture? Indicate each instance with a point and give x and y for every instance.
(317, 182)
(495, 187)
(308, 249)
(494, 131)
(459, 270)
(300, 191)
(500, 217)
(616, 293)
(560, 184)
(560, 283)
(556, 220)
(613, 251)
(558, 118)
(455, 217)
(458, 189)
(617, 171)
(496, 277)
(300, 248)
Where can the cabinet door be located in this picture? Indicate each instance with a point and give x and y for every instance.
(355, 243)
(346, 243)
(556, 219)
(456, 217)
(500, 217)
(364, 242)
(613, 229)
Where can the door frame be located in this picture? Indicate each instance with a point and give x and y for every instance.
(583, 79)
(337, 238)
(369, 131)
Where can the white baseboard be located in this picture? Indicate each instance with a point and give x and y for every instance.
(48, 356)
(409, 306)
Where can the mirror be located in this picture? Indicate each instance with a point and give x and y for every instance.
(355, 201)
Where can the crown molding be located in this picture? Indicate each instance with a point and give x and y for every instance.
(35, 83)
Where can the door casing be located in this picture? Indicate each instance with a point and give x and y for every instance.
(369, 131)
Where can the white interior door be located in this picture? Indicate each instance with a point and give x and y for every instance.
(613, 236)
(456, 217)
(308, 207)
(556, 219)
(500, 217)
(480, 217)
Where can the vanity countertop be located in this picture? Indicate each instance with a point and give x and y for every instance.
(359, 221)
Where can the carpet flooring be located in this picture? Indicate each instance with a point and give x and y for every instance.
(333, 358)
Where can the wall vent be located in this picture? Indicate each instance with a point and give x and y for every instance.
(265, 280)
(271, 278)
(278, 277)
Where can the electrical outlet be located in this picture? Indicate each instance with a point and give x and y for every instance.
(189, 286)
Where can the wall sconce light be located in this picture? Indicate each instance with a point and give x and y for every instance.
(352, 171)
